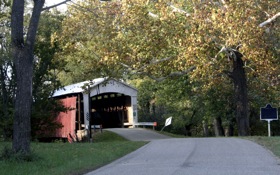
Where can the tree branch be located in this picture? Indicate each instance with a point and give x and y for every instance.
(175, 9)
(172, 74)
(152, 62)
(231, 53)
(17, 24)
(55, 5)
(84, 9)
(225, 4)
(156, 61)
(34, 22)
(228, 73)
(153, 15)
(269, 20)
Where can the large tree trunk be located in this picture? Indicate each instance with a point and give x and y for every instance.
(240, 92)
(218, 128)
(23, 60)
(22, 124)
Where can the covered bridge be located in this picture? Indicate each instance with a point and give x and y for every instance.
(109, 102)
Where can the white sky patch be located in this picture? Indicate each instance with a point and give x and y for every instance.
(62, 7)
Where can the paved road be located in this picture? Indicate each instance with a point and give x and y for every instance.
(195, 156)
(138, 134)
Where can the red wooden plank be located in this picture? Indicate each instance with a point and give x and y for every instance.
(67, 119)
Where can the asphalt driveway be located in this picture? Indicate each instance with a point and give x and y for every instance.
(193, 156)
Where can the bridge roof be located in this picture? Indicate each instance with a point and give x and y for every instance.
(79, 87)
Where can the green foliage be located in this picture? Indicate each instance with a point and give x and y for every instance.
(44, 114)
(190, 105)
(45, 109)
(173, 97)
(138, 38)
(148, 111)
(86, 42)
(45, 77)
(6, 130)
(7, 83)
(44, 81)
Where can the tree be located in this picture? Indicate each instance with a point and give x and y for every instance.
(86, 40)
(45, 49)
(209, 41)
(177, 97)
(253, 44)
(23, 57)
(212, 33)
(22, 49)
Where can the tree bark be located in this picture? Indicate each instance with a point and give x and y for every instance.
(205, 129)
(188, 130)
(23, 59)
(240, 91)
(218, 128)
(229, 129)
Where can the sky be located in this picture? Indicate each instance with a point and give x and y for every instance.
(52, 2)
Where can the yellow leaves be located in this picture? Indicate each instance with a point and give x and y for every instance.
(213, 16)
(125, 32)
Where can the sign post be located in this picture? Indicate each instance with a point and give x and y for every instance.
(269, 114)
(89, 114)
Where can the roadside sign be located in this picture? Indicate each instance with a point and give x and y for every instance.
(269, 114)
(168, 121)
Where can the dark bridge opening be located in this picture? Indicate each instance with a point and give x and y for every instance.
(110, 110)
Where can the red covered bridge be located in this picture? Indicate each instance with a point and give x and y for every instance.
(109, 102)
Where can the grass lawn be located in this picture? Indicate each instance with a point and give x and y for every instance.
(271, 143)
(65, 158)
